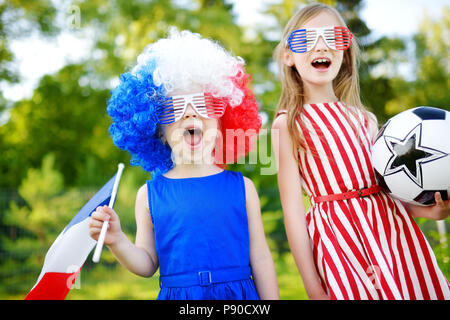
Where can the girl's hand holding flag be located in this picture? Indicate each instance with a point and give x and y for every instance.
(101, 215)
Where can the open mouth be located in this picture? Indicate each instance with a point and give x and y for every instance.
(321, 63)
(193, 137)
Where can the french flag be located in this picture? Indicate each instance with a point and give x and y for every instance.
(66, 256)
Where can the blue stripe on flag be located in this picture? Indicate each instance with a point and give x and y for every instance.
(101, 198)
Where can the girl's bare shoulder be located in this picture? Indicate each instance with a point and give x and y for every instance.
(142, 198)
(280, 122)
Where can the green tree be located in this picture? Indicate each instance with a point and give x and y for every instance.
(432, 68)
(32, 228)
(19, 18)
(65, 118)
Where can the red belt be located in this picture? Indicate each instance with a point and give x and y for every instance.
(361, 193)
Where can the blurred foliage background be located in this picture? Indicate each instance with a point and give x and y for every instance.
(56, 151)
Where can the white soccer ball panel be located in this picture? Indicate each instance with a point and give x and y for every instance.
(402, 186)
(436, 135)
(380, 155)
(436, 174)
(401, 124)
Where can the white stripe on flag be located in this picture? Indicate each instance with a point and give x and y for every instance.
(69, 251)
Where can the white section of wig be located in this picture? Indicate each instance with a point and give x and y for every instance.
(186, 63)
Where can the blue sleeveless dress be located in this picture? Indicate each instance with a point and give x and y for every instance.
(201, 237)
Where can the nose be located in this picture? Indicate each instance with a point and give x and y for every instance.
(190, 112)
(321, 44)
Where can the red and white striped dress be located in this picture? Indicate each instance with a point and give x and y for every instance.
(364, 248)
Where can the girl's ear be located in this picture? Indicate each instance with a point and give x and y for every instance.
(288, 59)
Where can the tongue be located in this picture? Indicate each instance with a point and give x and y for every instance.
(320, 65)
(192, 139)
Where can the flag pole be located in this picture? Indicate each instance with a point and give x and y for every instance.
(101, 238)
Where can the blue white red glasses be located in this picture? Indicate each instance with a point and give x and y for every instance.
(303, 40)
(204, 104)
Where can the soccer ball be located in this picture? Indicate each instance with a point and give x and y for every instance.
(411, 155)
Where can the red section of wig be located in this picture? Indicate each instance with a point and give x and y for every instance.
(240, 124)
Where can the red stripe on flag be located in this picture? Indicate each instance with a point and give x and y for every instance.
(53, 286)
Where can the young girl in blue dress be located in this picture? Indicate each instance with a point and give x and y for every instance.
(178, 113)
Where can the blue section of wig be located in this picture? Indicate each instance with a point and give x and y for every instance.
(132, 107)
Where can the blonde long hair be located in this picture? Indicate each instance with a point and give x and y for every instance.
(345, 85)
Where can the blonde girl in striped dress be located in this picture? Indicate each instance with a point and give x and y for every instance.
(355, 242)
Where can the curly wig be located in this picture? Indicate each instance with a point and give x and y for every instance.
(182, 61)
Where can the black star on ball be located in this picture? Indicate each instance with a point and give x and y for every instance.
(409, 155)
